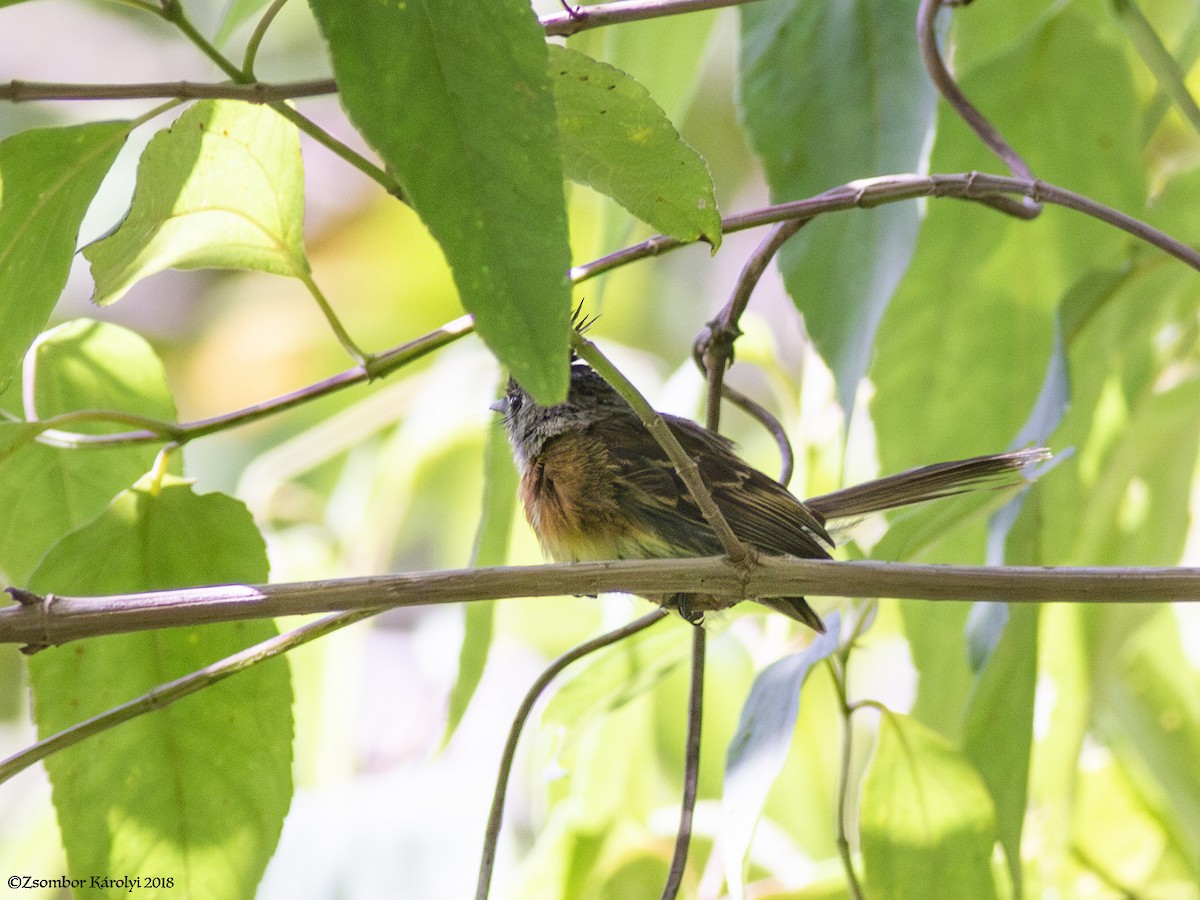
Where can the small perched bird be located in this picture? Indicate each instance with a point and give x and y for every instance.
(596, 485)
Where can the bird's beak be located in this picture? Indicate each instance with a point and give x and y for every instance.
(500, 406)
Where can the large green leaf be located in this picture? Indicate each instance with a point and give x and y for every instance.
(832, 92)
(460, 106)
(927, 821)
(223, 187)
(616, 139)
(48, 177)
(197, 791)
(46, 491)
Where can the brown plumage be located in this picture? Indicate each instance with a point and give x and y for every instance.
(596, 485)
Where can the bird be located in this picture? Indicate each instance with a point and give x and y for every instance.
(596, 485)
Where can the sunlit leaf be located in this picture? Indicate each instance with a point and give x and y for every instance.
(223, 187)
(1147, 708)
(48, 177)
(46, 491)
(760, 748)
(196, 791)
(610, 678)
(927, 822)
(616, 139)
(460, 106)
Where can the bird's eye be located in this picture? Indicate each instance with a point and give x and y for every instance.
(514, 401)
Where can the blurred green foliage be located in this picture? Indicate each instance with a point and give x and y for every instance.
(1036, 751)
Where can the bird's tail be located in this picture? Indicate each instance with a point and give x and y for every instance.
(999, 470)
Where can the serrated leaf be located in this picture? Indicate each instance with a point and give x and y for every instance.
(927, 823)
(617, 140)
(46, 491)
(48, 177)
(760, 747)
(222, 188)
(460, 107)
(832, 92)
(198, 790)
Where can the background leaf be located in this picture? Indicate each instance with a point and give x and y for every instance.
(460, 107)
(830, 93)
(927, 823)
(760, 747)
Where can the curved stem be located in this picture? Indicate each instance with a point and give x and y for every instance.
(496, 815)
(256, 39)
(331, 318)
(949, 89)
(691, 779)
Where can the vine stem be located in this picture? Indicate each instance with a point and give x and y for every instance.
(691, 778)
(508, 755)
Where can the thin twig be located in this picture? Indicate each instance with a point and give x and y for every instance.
(869, 192)
(496, 815)
(254, 92)
(948, 88)
(380, 365)
(691, 779)
(165, 694)
(582, 18)
(713, 347)
(256, 39)
(56, 620)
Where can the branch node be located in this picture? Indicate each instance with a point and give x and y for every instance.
(24, 597)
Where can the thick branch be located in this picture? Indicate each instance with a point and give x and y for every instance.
(56, 620)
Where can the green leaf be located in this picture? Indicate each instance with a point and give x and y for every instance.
(223, 188)
(998, 728)
(48, 177)
(927, 822)
(760, 748)
(46, 491)
(832, 92)
(1146, 708)
(460, 107)
(610, 678)
(197, 791)
(963, 349)
(491, 549)
(617, 140)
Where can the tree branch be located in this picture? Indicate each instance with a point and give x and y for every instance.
(41, 621)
